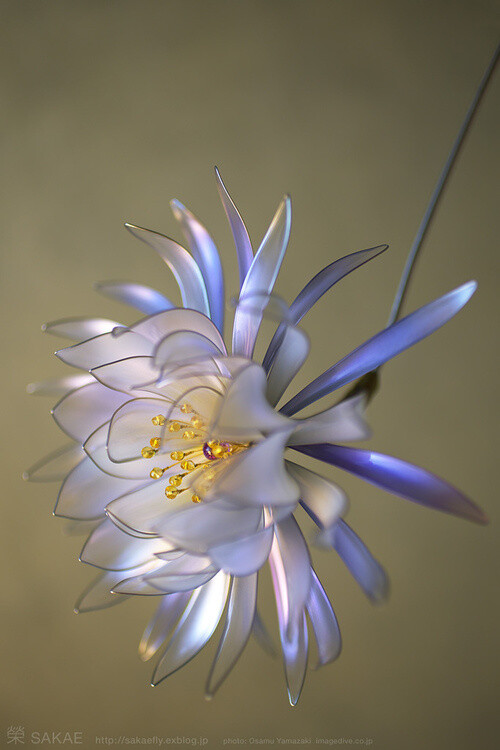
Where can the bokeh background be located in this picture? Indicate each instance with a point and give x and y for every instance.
(109, 109)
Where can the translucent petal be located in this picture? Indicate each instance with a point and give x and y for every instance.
(142, 510)
(382, 347)
(56, 465)
(289, 359)
(199, 527)
(109, 347)
(170, 584)
(323, 500)
(237, 629)
(59, 386)
(358, 559)
(341, 423)
(109, 548)
(131, 375)
(241, 239)
(80, 329)
(86, 491)
(261, 277)
(315, 288)
(97, 450)
(399, 478)
(246, 555)
(143, 298)
(162, 624)
(291, 571)
(294, 642)
(258, 476)
(157, 327)
(131, 428)
(245, 412)
(183, 266)
(80, 412)
(262, 635)
(324, 622)
(195, 627)
(206, 256)
(182, 347)
(98, 594)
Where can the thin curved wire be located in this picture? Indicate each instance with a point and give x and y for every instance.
(438, 191)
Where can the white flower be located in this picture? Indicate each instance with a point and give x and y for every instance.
(178, 451)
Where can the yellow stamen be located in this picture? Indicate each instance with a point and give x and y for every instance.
(159, 420)
(195, 499)
(185, 408)
(176, 480)
(171, 493)
(148, 452)
(188, 465)
(177, 455)
(189, 435)
(156, 473)
(155, 442)
(174, 427)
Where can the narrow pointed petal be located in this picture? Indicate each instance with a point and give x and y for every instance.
(55, 466)
(237, 629)
(246, 555)
(143, 298)
(289, 359)
(291, 571)
(316, 288)
(98, 594)
(195, 627)
(206, 256)
(382, 347)
(324, 623)
(80, 329)
(399, 478)
(261, 278)
(241, 239)
(184, 268)
(80, 412)
(109, 347)
(59, 386)
(323, 500)
(162, 623)
(358, 559)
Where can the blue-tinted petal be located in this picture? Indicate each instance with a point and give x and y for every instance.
(383, 346)
(80, 329)
(321, 283)
(143, 298)
(206, 256)
(358, 559)
(324, 622)
(398, 477)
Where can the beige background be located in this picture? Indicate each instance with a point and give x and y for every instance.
(109, 109)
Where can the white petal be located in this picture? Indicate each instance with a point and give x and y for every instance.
(237, 629)
(108, 547)
(246, 555)
(258, 476)
(132, 375)
(341, 423)
(183, 347)
(98, 595)
(144, 509)
(80, 412)
(245, 411)
(156, 327)
(59, 386)
(56, 465)
(80, 329)
(109, 347)
(324, 500)
(162, 624)
(324, 622)
(261, 277)
(183, 266)
(86, 491)
(291, 569)
(289, 358)
(97, 450)
(196, 626)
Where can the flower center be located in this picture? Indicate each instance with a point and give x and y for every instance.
(200, 464)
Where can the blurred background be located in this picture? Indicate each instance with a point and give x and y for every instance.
(110, 109)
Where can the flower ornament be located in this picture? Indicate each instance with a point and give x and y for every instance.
(188, 468)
